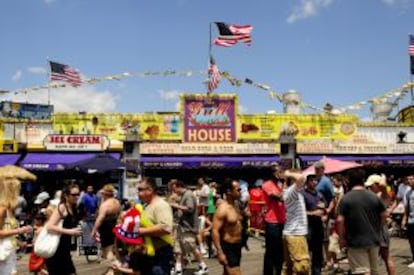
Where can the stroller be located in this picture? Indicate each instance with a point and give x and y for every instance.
(88, 246)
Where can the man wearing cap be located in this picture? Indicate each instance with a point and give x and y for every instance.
(361, 217)
(42, 202)
(408, 219)
(159, 212)
(325, 187)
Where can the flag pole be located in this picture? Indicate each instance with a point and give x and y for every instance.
(411, 68)
(209, 45)
(48, 80)
(208, 61)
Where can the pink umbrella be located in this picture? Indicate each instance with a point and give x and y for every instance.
(332, 166)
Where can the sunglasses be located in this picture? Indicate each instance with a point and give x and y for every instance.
(140, 189)
(75, 194)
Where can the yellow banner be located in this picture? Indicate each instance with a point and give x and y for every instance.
(269, 126)
(148, 126)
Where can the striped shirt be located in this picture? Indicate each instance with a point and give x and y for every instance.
(296, 219)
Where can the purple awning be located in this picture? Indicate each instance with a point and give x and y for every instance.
(55, 161)
(207, 162)
(383, 159)
(6, 159)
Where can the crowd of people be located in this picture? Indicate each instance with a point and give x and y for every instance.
(311, 222)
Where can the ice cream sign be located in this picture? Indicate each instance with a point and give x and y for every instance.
(209, 119)
(76, 142)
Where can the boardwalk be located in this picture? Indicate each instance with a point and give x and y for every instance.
(251, 262)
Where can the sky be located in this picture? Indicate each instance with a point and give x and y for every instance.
(337, 51)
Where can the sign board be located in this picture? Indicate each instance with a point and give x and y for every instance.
(76, 142)
(303, 126)
(209, 148)
(8, 146)
(148, 126)
(209, 118)
(18, 110)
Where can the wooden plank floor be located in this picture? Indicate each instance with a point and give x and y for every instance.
(251, 262)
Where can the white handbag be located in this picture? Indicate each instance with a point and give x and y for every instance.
(47, 243)
(6, 244)
(6, 248)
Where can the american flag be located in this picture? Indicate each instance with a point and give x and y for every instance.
(61, 72)
(231, 34)
(214, 76)
(411, 45)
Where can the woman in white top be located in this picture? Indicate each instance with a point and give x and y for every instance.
(9, 227)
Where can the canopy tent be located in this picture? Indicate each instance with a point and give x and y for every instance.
(100, 163)
(332, 166)
(51, 161)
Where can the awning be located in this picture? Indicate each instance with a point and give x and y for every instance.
(6, 159)
(366, 159)
(207, 162)
(55, 161)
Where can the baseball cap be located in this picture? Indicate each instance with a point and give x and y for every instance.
(319, 164)
(41, 197)
(374, 178)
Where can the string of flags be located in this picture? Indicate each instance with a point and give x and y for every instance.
(396, 94)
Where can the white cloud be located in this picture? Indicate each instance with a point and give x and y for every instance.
(69, 99)
(37, 70)
(17, 76)
(49, 2)
(306, 9)
(243, 109)
(169, 95)
(178, 106)
(389, 2)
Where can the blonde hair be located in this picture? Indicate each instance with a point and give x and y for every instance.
(108, 190)
(10, 177)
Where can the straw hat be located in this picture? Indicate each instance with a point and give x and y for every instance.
(12, 171)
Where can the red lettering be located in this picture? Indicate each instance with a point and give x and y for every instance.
(56, 139)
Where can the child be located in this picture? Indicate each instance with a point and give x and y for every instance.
(129, 247)
(37, 263)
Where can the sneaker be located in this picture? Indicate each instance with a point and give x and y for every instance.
(176, 272)
(411, 265)
(201, 270)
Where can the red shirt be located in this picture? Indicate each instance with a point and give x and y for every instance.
(276, 212)
(257, 199)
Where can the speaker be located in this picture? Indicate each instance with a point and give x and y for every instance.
(284, 149)
(129, 147)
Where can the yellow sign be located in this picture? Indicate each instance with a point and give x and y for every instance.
(270, 126)
(8, 146)
(147, 126)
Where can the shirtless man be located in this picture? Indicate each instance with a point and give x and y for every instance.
(108, 213)
(227, 230)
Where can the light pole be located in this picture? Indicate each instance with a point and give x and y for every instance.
(131, 157)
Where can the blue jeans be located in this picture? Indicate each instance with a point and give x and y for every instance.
(273, 258)
(161, 263)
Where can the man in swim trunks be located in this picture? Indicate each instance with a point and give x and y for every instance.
(227, 229)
